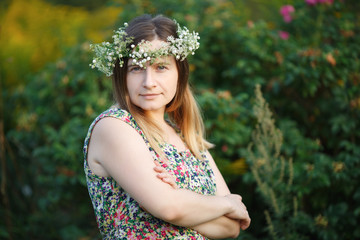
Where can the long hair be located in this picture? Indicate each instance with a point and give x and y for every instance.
(183, 110)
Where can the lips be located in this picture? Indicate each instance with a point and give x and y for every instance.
(150, 95)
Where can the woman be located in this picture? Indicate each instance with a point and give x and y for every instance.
(150, 178)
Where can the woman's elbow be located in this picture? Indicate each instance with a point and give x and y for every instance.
(234, 230)
(169, 213)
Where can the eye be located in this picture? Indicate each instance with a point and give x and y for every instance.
(161, 67)
(135, 69)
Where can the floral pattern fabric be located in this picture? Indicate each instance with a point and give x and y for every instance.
(119, 216)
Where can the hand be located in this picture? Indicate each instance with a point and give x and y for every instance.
(165, 176)
(240, 212)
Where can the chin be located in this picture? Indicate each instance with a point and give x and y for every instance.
(150, 108)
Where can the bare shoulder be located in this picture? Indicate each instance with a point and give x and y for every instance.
(111, 139)
(109, 126)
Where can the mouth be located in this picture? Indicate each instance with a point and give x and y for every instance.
(149, 95)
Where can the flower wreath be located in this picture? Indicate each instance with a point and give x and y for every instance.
(106, 53)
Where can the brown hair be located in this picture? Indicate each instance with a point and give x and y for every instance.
(182, 110)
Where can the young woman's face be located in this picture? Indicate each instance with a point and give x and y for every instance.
(154, 87)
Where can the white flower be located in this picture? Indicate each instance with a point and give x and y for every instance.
(107, 53)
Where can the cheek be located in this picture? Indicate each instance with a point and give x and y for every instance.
(130, 86)
(173, 88)
(175, 82)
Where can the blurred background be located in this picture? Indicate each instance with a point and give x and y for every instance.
(278, 82)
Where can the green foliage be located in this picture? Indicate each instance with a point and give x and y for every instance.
(313, 80)
(56, 108)
(273, 173)
(227, 121)
(294, 190)
(310, 81)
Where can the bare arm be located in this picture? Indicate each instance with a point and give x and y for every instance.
(221, 227)
(117, 150)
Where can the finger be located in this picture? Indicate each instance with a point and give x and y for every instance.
(165, 177)
(161, 176)
(170, 181)
(244, 224)
(157, 164)
(243, 205)
(159, 169)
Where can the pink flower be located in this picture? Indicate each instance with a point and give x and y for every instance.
(314, 2)
(287, 18)
(286, 11)
(250, 24)
(326, 1)
(284, 35)
(224, 148)
(311, 2)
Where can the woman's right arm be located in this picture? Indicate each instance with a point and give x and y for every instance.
(117, 150)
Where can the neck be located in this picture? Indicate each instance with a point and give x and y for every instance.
(156, 116)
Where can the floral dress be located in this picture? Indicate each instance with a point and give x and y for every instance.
(119, 216)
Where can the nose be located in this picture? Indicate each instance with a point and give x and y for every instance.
(149, 80)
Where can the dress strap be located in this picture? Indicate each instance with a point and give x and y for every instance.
(117, 113)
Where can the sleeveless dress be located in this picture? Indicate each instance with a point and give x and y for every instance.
(119, 216)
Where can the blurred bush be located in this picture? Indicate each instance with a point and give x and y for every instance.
(307, 68)
(35, 32)
(46, 179)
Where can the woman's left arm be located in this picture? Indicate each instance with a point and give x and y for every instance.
(222, 227)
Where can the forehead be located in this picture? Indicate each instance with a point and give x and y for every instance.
(162, 59)
(150, 52)
(153, 45)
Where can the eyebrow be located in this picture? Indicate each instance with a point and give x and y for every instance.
(162, 63)
(130, 63)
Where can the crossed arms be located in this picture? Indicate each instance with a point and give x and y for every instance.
(116, 146)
